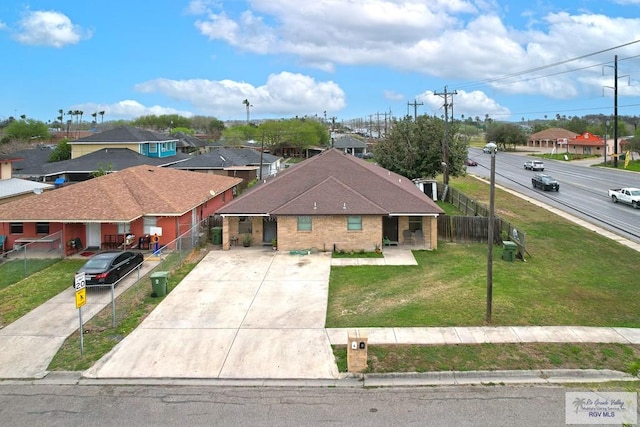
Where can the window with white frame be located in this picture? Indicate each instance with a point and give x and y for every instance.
(16, 228)
(304, 223)
(124, 228)
(354, 223)
(153, 148)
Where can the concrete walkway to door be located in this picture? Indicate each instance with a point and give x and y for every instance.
(243, 313)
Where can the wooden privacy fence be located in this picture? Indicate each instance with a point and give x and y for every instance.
(474, 225)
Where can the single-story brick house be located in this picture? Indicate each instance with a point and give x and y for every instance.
(128, 202)
(551, 138)
(333, 201)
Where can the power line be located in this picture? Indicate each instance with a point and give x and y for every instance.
(544, 67)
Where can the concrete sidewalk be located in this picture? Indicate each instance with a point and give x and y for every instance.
(497, 334)
(28, 345)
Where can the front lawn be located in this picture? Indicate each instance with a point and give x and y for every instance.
(572, 276)
(25, 295)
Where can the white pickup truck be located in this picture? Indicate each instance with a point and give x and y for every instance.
(629, 195)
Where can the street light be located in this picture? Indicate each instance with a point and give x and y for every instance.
(492, 150)
(606, 131)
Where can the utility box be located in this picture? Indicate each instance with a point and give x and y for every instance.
(509, 250)
(357, 344)
(216, 235)
(159, 282)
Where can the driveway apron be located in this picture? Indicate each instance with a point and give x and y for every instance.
(247, 313)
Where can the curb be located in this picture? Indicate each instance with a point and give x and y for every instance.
(346, 380)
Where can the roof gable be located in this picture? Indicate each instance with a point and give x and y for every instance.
(121, 196)
(327, 198)
(553, 133)
(384, 190)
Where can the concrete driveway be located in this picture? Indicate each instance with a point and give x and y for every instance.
(245, 313)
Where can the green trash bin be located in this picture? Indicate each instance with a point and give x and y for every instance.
(509, 250)
(159, 281)
(216, 235)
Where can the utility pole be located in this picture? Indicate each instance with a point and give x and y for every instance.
(615, 112)
(387, 116)
(615, 108)
(445, 142)
(415, 108)
(333, 126)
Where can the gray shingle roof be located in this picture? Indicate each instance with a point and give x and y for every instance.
(333, 183)
(117, 158)
(348, 142)
(223, 157)
(123, 134)
(189, 141)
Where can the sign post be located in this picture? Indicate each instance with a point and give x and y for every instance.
(81, 298)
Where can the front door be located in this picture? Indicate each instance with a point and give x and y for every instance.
(93, 234)
(390, 228)
(269, 229)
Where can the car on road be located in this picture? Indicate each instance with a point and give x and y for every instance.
(486, 149)
(545, 182)
(469, 162)
(534, 165)
(106, 268)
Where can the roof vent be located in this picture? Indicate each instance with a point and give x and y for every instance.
(315, 206)
(344, 206)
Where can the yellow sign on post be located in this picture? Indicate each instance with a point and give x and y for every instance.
(81, 297)
(79, 285)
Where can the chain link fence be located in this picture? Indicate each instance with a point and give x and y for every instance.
(30, 255)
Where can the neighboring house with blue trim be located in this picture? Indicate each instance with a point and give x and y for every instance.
(142, 141)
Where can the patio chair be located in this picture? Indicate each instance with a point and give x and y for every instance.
(419, 237)
(407, 237)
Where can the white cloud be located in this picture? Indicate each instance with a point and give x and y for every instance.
(3, 26)
(128, 109)
(200, 7)
(282, 94)
(457, 40)
(393, 96)
(471, 104)
(49, 28)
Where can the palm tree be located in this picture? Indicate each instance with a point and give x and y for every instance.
(101, 117)
(246, 102)
(95, 118)
(60, 117)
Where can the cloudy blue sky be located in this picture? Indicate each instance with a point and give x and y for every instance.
(348, 58)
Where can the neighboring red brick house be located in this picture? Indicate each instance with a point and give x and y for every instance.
(333, 201)
(127, 202)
